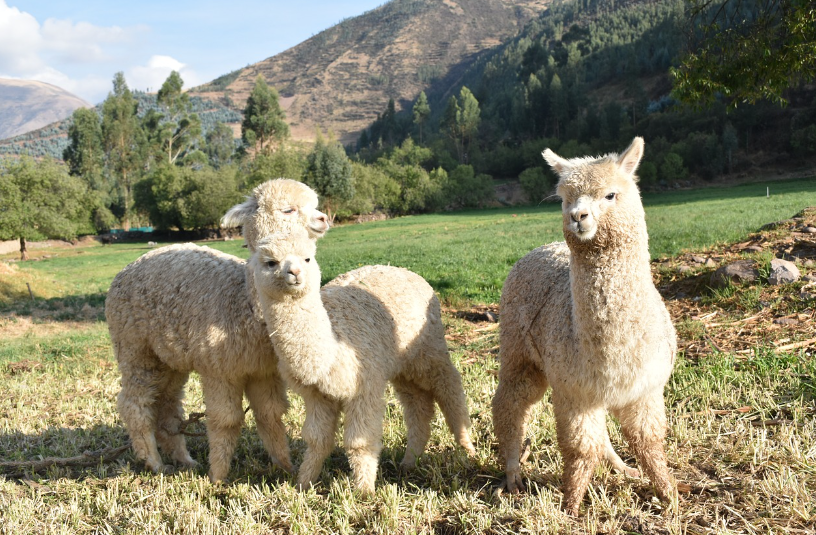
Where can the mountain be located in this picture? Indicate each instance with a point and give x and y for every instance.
(340, 79)
(26, 105)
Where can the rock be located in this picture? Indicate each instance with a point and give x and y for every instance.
(809, 230)
(698, 259)
(710, 263)
(739, 271)
(783, 272)
(683, 268)
(809, 278)
(809, 263)
(785, 321)
(754, 248)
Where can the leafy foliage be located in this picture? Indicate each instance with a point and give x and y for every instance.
(40, 200)
(746, 50)
(264, 125)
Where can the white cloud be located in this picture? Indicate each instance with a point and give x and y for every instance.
(158, 68)
(62, 52)
(20, 41)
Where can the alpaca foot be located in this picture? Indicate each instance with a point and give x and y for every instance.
(185, 460)
(513, 483)
(285, 465)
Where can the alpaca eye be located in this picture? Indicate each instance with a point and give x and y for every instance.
(308, 260)
(611, 197)
(289, 210)
(272, 263)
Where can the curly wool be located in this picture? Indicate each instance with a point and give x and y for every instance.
(186, 308)
(339, 347)
(585, 318)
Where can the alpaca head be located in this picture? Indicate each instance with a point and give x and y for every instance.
(284, 264)
(276, 205)
(600, 200)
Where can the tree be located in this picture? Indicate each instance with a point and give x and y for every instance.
(41, 200)
(85, 159)
(179, 127)
(122, 137)
(746, 50)
(329, 172)
(467, 119)
(421, 111)
(264, 125)
(220, 145)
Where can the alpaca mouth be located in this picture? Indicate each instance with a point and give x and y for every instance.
(319, 228)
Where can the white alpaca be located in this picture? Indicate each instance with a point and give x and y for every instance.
(185, 308)
(339, 347)
(585, 318)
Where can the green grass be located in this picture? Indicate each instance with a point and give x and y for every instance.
(749, 470)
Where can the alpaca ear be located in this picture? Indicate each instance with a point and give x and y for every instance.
(630, 159)
(239, 214)
(557, 163)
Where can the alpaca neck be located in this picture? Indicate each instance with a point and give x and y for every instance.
(307, 347)
(608, 283)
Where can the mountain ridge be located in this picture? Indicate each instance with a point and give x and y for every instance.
(26, 105)
(343, 77)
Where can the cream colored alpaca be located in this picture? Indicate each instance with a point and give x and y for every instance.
(273, 206)
(340, 346)
(186, 308)
(585, 318)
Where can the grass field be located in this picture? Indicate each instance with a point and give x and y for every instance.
(742, 436)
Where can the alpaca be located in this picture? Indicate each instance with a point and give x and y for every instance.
(277, 205)
(186, 308)
(585, 318)
(339, 346)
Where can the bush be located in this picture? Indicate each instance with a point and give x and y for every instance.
(672, 168)
(537, 184)
(466, 189)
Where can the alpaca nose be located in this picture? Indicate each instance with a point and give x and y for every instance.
(579, 215)
(294, 270)
(322, 218)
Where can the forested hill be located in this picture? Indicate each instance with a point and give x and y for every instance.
(585, 77)
(52, 139)
(341, 78)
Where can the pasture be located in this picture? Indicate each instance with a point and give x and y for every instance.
(742, 422)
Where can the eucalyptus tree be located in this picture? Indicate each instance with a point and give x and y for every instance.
(264, 126)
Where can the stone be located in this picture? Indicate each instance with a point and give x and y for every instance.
(683, 268)
(785, 321)
(698, 259)
(783, 272)
(754, 248)
(739, 271)
(810, 278)
(809, 230)
(710, 263)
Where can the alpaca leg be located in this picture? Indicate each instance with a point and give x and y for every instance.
(224, 419)
(136, 405)
(169, 415)
(267, 398)
(449, 394)
(582, 439)
(644, 426)
(616, 462)
(521, 385)
(418, 408)
(319, 428)
(362, 439)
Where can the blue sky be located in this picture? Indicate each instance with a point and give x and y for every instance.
(80, 44)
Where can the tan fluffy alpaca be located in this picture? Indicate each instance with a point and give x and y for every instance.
(186, 308)
(339, 347)
(584, 318)
(272, 206)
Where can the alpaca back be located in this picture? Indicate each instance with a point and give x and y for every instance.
(392, 310)
(189, 306)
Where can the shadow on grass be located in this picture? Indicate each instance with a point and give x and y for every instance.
(77, 308)
(107, 448)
